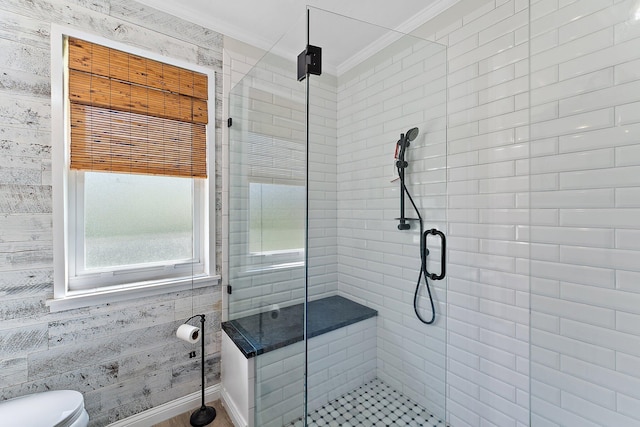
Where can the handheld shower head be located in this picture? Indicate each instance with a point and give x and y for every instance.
(404, 143)
(412, 134)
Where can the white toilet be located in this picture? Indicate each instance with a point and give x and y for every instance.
(60, 408)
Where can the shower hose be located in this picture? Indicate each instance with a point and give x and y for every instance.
(423, 260)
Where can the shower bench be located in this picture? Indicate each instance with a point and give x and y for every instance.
(263, 359)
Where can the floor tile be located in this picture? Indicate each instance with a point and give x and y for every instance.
(373, 404)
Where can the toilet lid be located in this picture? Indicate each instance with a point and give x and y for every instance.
(52, 408)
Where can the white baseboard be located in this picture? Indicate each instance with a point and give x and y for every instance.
(232, 410)
(170, 409)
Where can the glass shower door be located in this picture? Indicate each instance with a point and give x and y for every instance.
(376, 362)
(585, 188)
(267, 216)
(315, 247)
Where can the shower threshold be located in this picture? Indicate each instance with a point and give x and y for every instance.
(371, 405)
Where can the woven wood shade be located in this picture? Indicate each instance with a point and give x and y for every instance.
(135, 115)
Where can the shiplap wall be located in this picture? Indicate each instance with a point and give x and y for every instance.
(123, 356)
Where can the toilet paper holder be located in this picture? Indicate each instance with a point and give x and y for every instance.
(206, 414)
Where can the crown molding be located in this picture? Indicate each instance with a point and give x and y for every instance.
(411, 24)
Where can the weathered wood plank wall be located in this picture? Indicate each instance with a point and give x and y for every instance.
(122, 356)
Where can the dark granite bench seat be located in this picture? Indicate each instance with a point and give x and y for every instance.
(264, 332)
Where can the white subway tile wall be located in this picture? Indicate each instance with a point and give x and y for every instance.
(538, 192)
(585, 299)
(267, 145)
(340, 361)
(488, 213)
(579, 218)
(378, 264)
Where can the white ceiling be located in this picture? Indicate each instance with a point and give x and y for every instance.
(262, 22)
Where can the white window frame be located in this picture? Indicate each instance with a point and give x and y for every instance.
(82, 279)
(143, 280)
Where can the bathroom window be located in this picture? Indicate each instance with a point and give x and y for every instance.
(276, 223)
(131, 228)
(131, 182)
(271, 178)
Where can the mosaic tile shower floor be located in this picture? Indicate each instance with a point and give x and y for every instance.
(373, 404)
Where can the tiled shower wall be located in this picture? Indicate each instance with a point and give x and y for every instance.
(124, 356)
(403, 86)
(573, 234)
(268, 145)
(557, 216)
(585, 228)
(471, 182)
(488, 211)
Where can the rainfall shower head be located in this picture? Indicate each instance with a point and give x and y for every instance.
(412, 134)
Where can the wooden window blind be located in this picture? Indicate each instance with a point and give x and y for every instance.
(135, 115)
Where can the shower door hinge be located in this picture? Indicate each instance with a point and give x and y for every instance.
(309, 62)
(229, 122)
(229, 290)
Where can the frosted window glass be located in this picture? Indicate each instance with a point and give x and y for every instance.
(135, 219)
(277, 215)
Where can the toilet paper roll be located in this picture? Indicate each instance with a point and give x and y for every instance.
(188, 333)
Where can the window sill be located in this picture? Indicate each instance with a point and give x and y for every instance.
(88, 298)
(274, 267)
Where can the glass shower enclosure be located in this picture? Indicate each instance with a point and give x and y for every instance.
(323, 262)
